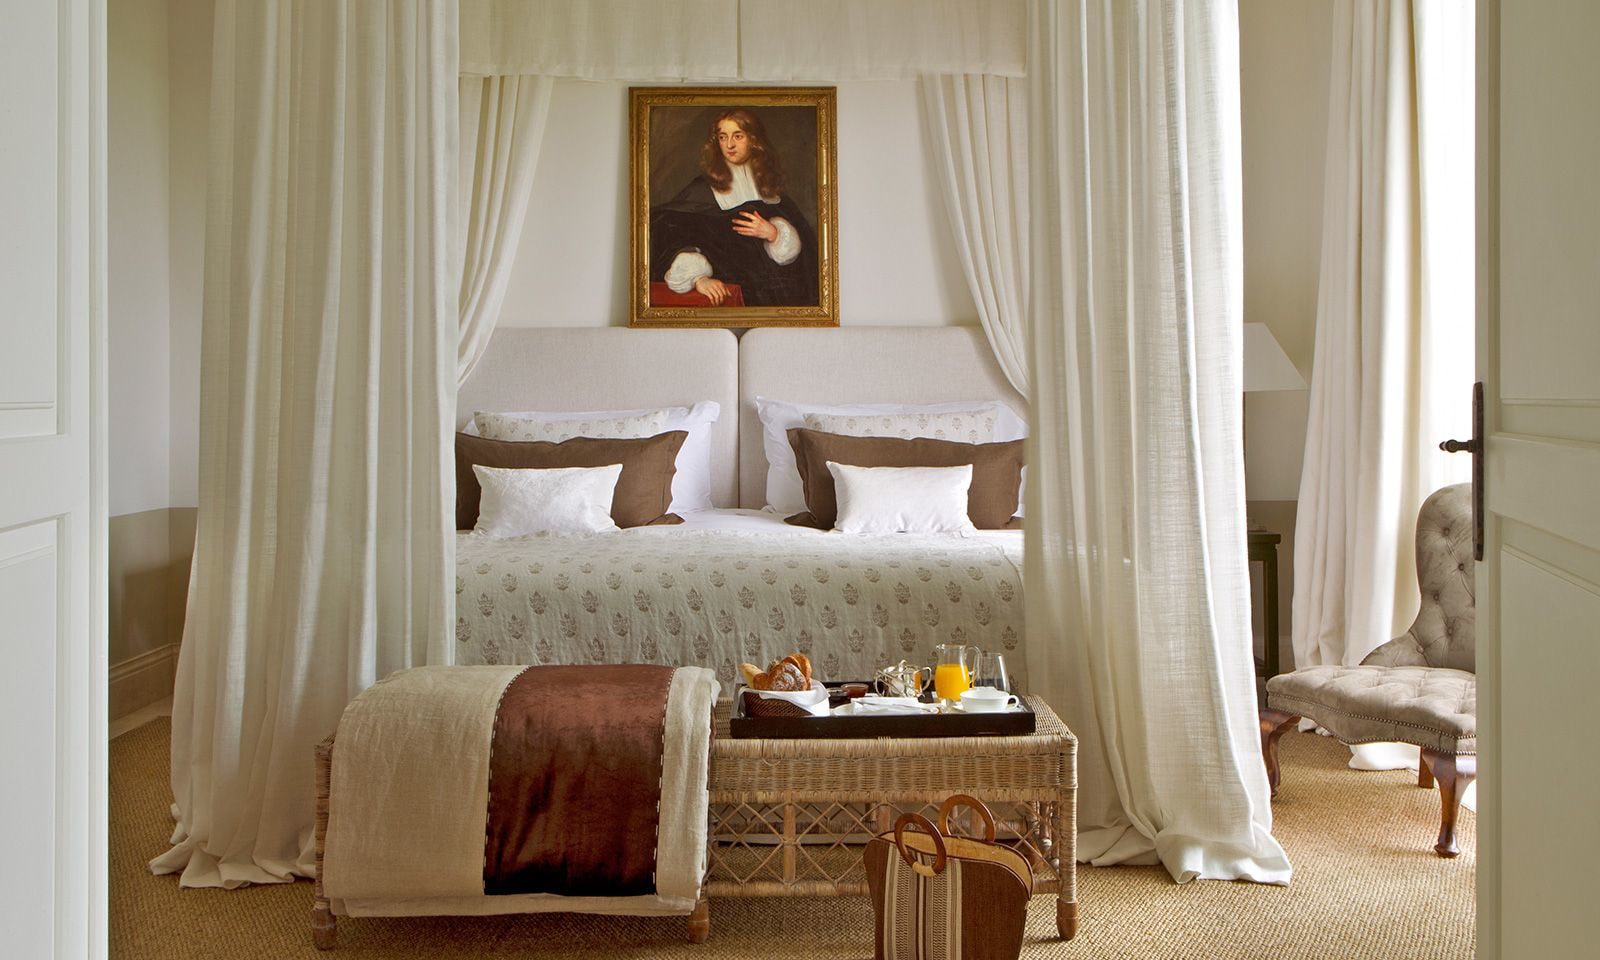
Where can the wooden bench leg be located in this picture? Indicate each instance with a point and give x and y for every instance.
(1424, 775)
(1454, 773)
(700, 922)
(1274, 724)
(324, 927)
(1067, 918)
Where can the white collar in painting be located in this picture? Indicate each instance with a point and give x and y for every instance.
(741, 190)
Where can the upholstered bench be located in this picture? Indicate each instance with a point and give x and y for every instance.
(1417, 688)
(483, 790)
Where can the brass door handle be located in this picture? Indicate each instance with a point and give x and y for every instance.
(1459, 446)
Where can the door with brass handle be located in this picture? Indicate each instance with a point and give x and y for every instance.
(1473, 446)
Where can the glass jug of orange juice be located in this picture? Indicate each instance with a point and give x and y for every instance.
(952, 671)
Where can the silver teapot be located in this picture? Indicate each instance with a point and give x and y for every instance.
(904, 680)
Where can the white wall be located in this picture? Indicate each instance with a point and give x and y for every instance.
(138, 259)
(898, 262)
(189, 101)
(159, 75)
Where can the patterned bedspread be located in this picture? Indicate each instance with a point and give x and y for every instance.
(716, 598)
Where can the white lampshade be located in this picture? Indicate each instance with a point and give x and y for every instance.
(1266, 366)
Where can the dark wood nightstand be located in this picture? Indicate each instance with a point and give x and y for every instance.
(1264, 547)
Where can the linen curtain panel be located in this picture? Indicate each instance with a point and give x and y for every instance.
(1393, 369)
(1137, 588)
(502, 127)
(324, 552)
(980, 138)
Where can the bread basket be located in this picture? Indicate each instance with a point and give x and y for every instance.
(774, 703)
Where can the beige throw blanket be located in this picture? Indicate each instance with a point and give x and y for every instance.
(462, 790)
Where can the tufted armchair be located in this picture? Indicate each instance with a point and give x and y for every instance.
(1418, 688)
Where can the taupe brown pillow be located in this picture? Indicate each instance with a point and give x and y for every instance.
(644, 489)
(991, 500)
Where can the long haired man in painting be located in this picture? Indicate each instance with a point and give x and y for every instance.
(734, 224)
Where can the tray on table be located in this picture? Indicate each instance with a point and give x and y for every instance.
(1019, 721)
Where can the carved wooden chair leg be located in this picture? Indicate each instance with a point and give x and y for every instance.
(1454, 773)
(324, 927)
(1274, 724)
(1424, 775)
(700, 922)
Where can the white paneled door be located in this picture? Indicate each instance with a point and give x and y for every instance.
(52, 482)
(1539, 584)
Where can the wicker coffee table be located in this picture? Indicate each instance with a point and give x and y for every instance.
(790, 817)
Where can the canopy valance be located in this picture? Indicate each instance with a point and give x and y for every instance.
(754, 40)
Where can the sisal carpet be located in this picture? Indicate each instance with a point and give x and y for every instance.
(1366, 886)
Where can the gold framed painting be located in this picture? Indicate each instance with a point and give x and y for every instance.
(734, 204)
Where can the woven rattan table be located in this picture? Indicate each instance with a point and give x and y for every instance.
(790, 817)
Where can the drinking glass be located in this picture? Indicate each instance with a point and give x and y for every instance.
(992, 672)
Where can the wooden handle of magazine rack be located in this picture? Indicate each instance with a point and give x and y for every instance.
(927, 826)
(962, 800)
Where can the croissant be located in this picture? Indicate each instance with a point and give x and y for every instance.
(788, 674)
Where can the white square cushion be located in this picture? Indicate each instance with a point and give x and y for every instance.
(784, 492)
(521, 501)
(902, 499)
(691, 485)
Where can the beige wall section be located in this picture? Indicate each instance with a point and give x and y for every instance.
(900, 264)
(1284, 58)
(148, 557)
(158, 80)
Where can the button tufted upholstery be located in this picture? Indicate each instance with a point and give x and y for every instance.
(1429, 706)
(1442, 635)
(1418, 688)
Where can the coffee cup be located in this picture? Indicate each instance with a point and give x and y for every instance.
(987, 700)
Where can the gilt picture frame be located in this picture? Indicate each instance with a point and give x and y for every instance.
(733, 197)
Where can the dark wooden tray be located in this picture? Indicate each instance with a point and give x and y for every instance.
(1013, 723)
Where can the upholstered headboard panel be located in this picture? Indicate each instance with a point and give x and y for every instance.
(858, 365)
(614, 368)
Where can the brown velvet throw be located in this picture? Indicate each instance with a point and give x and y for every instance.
(575, 781)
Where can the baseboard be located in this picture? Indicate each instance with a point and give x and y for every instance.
(142, 680)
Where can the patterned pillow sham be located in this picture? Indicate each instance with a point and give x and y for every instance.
(962, 426)
(499, 426)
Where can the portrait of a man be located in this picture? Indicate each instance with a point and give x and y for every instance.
(733, 201)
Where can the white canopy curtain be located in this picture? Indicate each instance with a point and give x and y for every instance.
(324, 552)
(1137, 589)
(1393, 370)
(502, 128)
(980, 136)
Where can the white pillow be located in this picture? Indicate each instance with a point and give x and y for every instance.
(784, 493)
(517, 502)
(902, 499)
(691, 484)
(960, 426)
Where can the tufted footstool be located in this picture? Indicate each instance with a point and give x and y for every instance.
(1418, 688)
